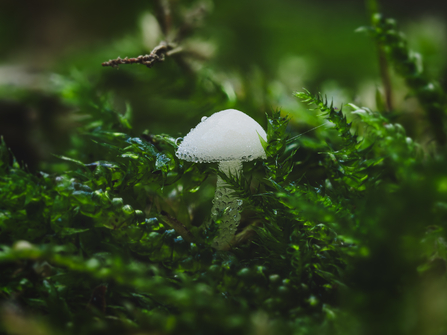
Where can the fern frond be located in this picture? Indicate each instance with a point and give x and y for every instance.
(348, 165)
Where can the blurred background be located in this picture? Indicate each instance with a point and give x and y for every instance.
(236, 54)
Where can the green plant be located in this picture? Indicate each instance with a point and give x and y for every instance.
(342, 231)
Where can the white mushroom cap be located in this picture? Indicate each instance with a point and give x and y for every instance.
(224, 136)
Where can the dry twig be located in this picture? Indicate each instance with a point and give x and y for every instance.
(157, 55)
(164, 16)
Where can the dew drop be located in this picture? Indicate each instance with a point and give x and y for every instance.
(177, 140)
(204, 118)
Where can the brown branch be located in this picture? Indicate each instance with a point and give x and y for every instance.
(373, 7)
(164, 16)
(247, 234)
(386, 81)
(157, 55)
(191, 21)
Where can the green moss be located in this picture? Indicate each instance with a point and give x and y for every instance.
(342, 230)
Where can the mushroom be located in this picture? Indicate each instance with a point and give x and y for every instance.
(229, 137)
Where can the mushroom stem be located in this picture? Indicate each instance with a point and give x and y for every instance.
(226, 206)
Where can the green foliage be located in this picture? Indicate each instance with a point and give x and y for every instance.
(408, 64)
(93, 225)
(350, 163)
(343, 228)
(121, 223)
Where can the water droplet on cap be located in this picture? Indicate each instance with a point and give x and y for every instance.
(204, 118)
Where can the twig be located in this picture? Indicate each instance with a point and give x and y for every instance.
(374, 7)
(165, 49)
(245, 235)
(164, 15)
(178, 227)
(385, 76)
(157, 55)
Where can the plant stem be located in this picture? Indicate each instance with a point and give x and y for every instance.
(225, 206)
(373, 8)
(386, 81)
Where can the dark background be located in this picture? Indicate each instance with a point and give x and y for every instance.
(255, 55)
